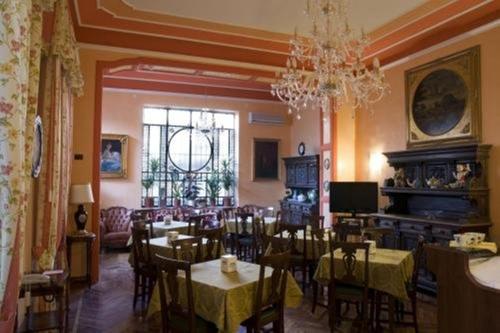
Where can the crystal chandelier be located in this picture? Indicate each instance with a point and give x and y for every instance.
(327, 68)
(205, 123)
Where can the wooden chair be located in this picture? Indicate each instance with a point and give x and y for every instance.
(247, 242)
(188, 249)
(411, 289)
(174, 317)
(381, 236)
(252, 209)
(271, 309)
(349, 288)
(194, 223)
(344, 228)
(229, 237)
(315, 221)
(274, 245)
(144, 268)
(214, 241)
(298, 258)
(320, 246)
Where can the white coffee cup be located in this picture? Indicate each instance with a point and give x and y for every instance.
(167, 219)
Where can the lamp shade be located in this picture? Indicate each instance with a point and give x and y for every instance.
(81, 194)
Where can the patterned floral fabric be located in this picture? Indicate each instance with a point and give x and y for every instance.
(20, 54)
(15, 27)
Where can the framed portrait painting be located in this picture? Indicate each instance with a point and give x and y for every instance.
(443, 100)
(114, 149)
(266, 159)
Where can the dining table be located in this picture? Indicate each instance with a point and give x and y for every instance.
(226, 299)
(161, 246)
(389, 270)
(160, 229)
(269, 225)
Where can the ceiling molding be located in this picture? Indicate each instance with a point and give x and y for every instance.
(113, 23)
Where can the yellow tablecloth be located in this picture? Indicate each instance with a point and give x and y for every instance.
(226, 299)
(389, 270)
(269, 224)
(160, 229)
(159, 246)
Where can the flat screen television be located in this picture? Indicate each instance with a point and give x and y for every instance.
(353, 197)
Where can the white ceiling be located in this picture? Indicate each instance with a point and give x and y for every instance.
(276, 15)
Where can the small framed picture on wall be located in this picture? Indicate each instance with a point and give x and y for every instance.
(266, 159)
(114, 149)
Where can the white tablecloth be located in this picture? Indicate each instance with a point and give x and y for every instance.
(486, 271)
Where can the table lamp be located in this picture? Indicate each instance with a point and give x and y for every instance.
(80, 195)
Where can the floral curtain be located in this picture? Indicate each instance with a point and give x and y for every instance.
(15, 146)
(62, 78)
(20, 54)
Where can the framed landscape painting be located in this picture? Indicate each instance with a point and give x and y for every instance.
(266, 159)
(443, 100)
(114, 149)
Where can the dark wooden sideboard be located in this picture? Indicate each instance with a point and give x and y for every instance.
(436, 213)
(302, 176)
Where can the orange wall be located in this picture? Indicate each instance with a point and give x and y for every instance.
(306, 130)
(122, 114)
(384, 130)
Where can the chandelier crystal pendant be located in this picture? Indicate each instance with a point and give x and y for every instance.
(326, 68)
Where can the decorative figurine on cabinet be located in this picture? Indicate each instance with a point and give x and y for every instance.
(399, 178)
(461, 176)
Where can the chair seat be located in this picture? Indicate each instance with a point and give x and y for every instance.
(180, 324)
(246, 241)
(343, 290)
(267, 316)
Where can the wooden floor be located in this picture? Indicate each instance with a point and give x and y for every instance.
(107, 306)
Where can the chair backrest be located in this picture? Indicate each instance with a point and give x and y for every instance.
(351, 252)
(315, 221)
(276, 288)
(140, 250)
(345, 228)
(168, 272)
(293, 231)
(229, 214)
(255, 209)
(188, 249)
(418, 258)
(214, 241)
(241, 221)
(279, 221)
(194, 223)
(377, 234)
(274, 245)
(117, 219)
(209, 220)
(320, 240)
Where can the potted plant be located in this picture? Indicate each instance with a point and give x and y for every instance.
(213, 188)
(190, 188)
(227, 179)
(154, 167)
(147, 183)
(176, 188)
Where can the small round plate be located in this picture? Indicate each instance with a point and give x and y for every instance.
(301, 149)
(326, 163)
(326, 186)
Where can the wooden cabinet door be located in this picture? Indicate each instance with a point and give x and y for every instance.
(312, 174)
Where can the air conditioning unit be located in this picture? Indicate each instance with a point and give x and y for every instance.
(265, 119)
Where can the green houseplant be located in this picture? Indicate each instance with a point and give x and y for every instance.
(147, 183)
(213, 188)
(227, 179)
(190, 188)
(176, 188)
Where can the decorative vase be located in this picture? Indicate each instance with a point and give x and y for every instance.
(227, 202)
(213, 203)
(149, 202)
(177, 202)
